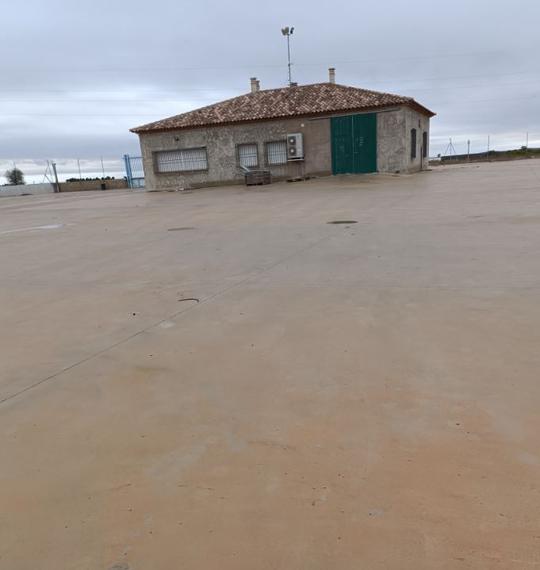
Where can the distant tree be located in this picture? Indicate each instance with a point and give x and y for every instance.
(15, 176)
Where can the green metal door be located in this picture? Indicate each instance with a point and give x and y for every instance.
(354, 144)
(342, 145)
(365, 143)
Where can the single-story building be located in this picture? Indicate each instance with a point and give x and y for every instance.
(301, 130)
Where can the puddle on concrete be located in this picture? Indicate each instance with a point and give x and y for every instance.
(180, 229)
(345, 222)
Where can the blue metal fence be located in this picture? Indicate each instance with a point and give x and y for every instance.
(134, 171)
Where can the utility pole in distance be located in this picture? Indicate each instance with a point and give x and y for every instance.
(469, 150)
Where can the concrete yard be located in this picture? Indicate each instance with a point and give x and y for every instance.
(345, 397)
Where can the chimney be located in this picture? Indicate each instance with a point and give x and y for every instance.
(332, 75)
(255, 85)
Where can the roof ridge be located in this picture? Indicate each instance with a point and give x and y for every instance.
(329, 83)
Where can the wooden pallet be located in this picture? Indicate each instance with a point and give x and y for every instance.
(258, 177)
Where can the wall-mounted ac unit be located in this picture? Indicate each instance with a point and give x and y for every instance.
(295, 146)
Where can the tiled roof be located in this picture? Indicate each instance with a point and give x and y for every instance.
(305, 100)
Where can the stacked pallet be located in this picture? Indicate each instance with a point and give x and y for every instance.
(258, 177)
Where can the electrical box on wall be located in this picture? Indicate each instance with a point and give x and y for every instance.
(295, 146)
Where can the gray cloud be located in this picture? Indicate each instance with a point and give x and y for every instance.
(76, 77)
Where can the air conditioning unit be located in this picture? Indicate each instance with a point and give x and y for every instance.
(295, 146)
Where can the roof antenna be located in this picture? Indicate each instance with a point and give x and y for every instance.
(288, 32)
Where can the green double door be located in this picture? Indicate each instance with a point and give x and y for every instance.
(354, 144)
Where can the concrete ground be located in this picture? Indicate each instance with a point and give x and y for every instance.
(342, 397)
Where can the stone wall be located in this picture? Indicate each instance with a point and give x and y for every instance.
(21, 189)
(394, 140)
(85, 185)
(391, 141)
(221, 144)
(415, 120)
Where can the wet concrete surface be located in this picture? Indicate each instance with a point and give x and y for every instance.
(361, 396)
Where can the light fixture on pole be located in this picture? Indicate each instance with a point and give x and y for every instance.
(288, 32)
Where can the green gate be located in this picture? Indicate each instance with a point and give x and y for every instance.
(354, 144)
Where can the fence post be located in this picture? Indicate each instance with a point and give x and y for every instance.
(56, 183)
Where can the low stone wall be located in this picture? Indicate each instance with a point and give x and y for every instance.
(86, 185)
(21, 189)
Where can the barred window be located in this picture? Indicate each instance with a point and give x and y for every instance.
(248, 155)
(425, 144)
(181, 160)
(276, 152)
(413, 144)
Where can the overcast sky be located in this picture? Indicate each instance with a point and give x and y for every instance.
(75, 76)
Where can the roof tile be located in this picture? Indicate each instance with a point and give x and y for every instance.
(295, 101)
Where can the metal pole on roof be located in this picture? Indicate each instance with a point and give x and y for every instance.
(289, 57)
(288, 32)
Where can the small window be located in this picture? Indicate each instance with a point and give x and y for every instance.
(425, 144)
(185, 160)
(276, 152)
(248, 155)
(413, 144)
